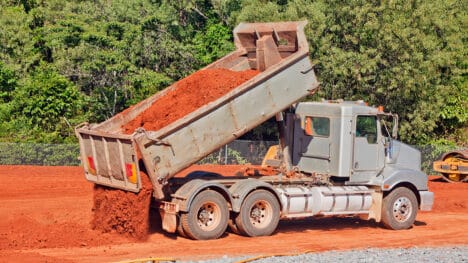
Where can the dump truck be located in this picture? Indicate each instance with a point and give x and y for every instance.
(334, 158)
(453, 166)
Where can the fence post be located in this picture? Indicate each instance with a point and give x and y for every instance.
(225, 154)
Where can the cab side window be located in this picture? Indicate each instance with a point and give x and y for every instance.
(366, 126)
(317, 126)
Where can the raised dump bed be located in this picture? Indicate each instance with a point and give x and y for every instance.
(111, 153)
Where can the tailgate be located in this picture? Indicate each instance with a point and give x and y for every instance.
(109, 159)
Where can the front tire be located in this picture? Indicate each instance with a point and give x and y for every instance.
(259, 215)
(207, 217)
(399, 209)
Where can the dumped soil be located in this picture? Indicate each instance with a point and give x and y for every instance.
(189, 94)
(122, 212)
(127, 213)
(46, 213)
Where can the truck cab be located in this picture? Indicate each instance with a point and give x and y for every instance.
(340, 139)
(355, 144)
(352, 142)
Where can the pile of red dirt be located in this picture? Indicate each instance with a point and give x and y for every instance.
(128, 213)
(189, 94)
(123, 212)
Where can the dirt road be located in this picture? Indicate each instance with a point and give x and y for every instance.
(46, 212)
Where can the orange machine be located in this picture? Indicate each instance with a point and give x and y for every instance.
(453, 166)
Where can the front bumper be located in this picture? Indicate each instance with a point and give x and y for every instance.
(427, 200)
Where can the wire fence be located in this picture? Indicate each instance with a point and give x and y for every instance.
(39, 154)
(236, 152)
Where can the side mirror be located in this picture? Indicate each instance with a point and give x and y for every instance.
(395, 127)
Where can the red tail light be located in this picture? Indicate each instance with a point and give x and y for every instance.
(91, 167)
(130, 171)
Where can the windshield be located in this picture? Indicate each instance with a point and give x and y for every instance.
(389, 125)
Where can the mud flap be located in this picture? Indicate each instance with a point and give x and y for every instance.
(168, 212)
(375, 211)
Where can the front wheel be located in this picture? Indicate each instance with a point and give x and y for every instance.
(259, 215)
(399, 209)
(207, 217)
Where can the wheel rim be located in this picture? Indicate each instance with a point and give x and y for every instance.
(402, 209)
(261, 214)
(208, 216)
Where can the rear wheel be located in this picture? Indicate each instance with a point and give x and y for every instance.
(399, 209)
(180, 229)
(232, 224)
(207, 217)
(259, 215)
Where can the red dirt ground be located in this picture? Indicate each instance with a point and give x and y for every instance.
(46, 215)
(191, 93)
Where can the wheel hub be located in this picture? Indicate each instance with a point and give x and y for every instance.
(402, 209)
(204, 216)
(256, 214)
(260, 214)
(207, 216)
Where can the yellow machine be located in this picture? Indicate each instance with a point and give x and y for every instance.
(453, 166)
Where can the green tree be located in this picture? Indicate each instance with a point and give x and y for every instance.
(47, 105)
(8, 83)
(213, 43)
(16, 45)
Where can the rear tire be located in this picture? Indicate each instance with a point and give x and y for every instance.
(232, 224)
(207, 217)
(399, 209)
(180, 228)
(259, 215)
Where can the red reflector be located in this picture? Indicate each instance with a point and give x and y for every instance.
(130, 171)
(91, 167)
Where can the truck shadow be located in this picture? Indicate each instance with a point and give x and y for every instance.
(330, 224)
(324, 223)
(438, 179)
(290, 226)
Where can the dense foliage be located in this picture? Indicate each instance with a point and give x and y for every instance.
(65, 62)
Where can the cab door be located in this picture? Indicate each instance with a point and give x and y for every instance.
(313, 144)
(368, 149)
